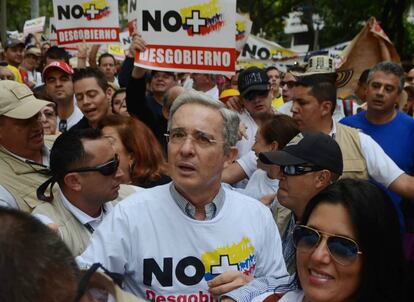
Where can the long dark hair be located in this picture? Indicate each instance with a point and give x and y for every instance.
(378, 234)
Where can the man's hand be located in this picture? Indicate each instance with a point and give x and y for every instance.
(227, 282)
(235, 103)
(137, 44)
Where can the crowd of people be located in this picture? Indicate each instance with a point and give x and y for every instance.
(262, 186)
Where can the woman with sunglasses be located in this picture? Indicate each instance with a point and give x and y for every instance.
(141, 157)
(348, 247)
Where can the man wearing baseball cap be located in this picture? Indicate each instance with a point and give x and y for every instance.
(59, 86)
(13, 54)
(24, 159)
(308, 164)
(254, 87)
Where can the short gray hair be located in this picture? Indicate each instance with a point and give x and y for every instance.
(230, 119)
(388, 67)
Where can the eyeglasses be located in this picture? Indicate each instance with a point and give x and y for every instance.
(200, 138)
(299, 170)
(342, 249)
(106, 169)
(289, 84)
(251, 95)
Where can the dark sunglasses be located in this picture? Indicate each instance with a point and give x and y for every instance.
(289, 84)
(255, 93)
(342, 249)
(295, 170)
(106, 169)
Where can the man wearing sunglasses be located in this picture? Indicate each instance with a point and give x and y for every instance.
(309, 163)
(85, 166)
(192, 239)
(24, 158)
(313, 103)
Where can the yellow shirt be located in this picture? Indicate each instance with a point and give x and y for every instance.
(16, 73)
(277, 102)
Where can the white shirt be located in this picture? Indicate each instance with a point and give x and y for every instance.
(292, 296)
(213, 92)
(6, 199)
(73, 119)
(245, 145)
(81, 216)
(148, 231)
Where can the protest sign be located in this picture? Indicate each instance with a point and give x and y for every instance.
(94, 21)
(117, 50)
(34, 25)
(369, 47)
(186, 36)
(243, 29)
(260, 49)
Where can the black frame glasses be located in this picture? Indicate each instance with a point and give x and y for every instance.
(106, 169)
(343, 250)
(295, 170)
(255, 93)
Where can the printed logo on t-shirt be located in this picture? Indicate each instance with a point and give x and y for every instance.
(191, 270)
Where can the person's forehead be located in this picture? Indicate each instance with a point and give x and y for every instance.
(90, 82)
(57, 73)
(289, 77)
(199, 111)
(385, 77)
(15, 48)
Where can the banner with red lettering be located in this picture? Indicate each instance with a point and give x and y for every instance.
(186, 35)
(95, 21)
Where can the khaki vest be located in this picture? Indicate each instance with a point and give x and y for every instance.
(355, 165)
(21, 180)
(75, 234)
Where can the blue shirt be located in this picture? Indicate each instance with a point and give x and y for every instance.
(396, 138)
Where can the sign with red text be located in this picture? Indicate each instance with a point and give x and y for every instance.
(186, 35)
(95, 21)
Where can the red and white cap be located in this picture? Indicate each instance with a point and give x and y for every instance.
(61, 65)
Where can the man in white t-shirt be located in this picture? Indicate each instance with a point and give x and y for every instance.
(313, 104)
(206, 83)
(192, 239)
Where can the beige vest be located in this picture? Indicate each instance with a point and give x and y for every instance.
(75, 234)
(21, 180)
(355, 165)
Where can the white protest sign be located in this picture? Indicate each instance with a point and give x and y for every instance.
(243, 29)
(260, 49)
(34, 25)
(186, 35)
(94, 21)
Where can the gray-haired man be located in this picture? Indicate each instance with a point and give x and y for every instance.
(172, 239)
